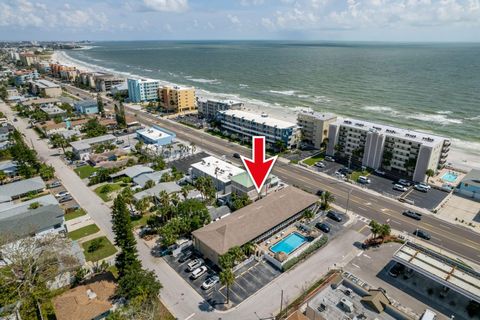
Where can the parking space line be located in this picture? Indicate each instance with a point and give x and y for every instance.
(367, 256)
(190, 316)
(353, 264)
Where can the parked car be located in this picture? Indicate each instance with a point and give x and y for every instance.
(65, 199)
(323, 227)
(399, 187)
(194, 264)
(198, 272)
(404, 182)
(320, 164)
(364, 180)
(81, 163)
(62, 194)
(335, 216)
(339, 175)
(345, 170)
(421, 188)
(54, 184)
(210, 282)
(319, 192)
(422, 234)
(15, 119)
(328, 158)
(379, 172)
(424, 185)
(184, 256)
(412, 214)
(236, 155)
(396, 270)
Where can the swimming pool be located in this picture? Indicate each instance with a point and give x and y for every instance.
(289, 243)
(450, 176)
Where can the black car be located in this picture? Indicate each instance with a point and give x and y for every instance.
(184, 256)
(335, 216)
(412, 214)
(323, 226)
(319, 192)
(396, 270)
(236, 155)
(345, 171)
(422, 234)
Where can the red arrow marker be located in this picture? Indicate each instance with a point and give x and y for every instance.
(259, 168)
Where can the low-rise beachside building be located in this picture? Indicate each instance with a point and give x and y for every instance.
(132, 172)
(156, 176)
(91, 301)
(141, 90)
(242, 185)
(314, 127)
(83, 148)
(86, 106)
(105, 82)
(245, 125)
(5, 130)
(155, 135)
(9, 168)
(34, 217)
(399, 152)
(253, 223)
(52, 110)
(177, 98)
(121, 89)
(45, 88)
(21, 188)
(220, 171)
(209, 108)
(154, 192)
(23, 76)
(470, 185)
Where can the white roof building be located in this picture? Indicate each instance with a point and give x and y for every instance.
(217, 169)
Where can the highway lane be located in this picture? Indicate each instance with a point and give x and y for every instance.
(455, 238)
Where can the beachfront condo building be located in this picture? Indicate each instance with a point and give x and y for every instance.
(28, 58)
(314, 127)
(398, 152)
(244, 125)
(210, 108)
(105, 82)
(177, 98)
(141, 90)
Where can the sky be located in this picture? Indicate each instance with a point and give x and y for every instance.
(350, 20)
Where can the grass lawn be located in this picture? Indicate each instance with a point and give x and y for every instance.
(106, 249)
(75, 214)
(85, 171)
(83, 232)
(105, 196)
(139, 222)
(355, 174)
(312, 160)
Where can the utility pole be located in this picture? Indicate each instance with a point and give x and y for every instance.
(348, 201)
(281, 304)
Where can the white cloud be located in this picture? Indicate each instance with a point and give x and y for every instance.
(234, 19)
(247, 3)
(167, 5)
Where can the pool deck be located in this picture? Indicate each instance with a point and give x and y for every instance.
(273, 240)
(439, 182)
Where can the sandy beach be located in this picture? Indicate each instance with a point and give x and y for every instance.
(461, 155)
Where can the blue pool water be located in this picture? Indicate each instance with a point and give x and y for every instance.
(289, 244)
(450, 176)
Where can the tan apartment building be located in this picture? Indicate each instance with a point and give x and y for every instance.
(314, 127)
(399, 152)
(45, 88)
(177, 99)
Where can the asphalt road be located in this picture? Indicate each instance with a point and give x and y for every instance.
(455, 238)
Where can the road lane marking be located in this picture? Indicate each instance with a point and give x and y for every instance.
(190, 316)
(359, 254)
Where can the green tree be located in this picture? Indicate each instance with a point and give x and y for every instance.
(384, 231)
(248, 248)
(100, 105)
(46, 172)
(227, 278)
(430, 173)
(139, 283)
(207, 188)
(308, 214)
(375, 228)
(142, 205)
(120, 115)
(149, 184)
(238, 202)
(159, 163)
(327, 198)
(3, 176)
(34, 205)
(93, 128)
(59, 141)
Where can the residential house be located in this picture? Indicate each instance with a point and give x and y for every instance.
(83, 148)
(156, 135)
(86, 106)
(9, 167)
(21, 188)
(220, 171)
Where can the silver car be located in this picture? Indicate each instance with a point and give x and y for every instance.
(210, 282)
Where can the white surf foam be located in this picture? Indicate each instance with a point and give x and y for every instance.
(285, 92)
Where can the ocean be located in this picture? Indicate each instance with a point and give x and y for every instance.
(428, 87)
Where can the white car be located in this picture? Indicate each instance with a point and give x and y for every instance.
(320, 164)
(400, 187)
(210, 282)
(198, 272)
(379, 172)
(364, 180)
(339, 175)
(424, 185)
(194, 264)
(62, 194)
(421, 188)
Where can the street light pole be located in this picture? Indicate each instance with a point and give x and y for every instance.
(348, 200)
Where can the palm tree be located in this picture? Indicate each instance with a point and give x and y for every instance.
(430, 173)
(186, 190)
(58, 140)
(308, 214)
(227, 278)
(142, 205)
(127, 194)
(327, 199)
(3, 176)
(248, 248)
(385, 231)
(193, 146)
(181, 146)
(375, 228)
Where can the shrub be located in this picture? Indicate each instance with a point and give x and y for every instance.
(312, 248)
(95, 245)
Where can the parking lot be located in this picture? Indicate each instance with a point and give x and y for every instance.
(184, 164)
(428, 200)
(67, 204)
(248, 279)
(335, 227)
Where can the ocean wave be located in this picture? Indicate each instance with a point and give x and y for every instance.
(148, 70)
(444, 112)
(436, 118)
(321, 99)
(201, 80)
(85, 48)
(243, 85)
(475, 118)
(285, 92)
(379, 109)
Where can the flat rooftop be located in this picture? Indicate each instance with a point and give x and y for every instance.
(154, 133)
(259, 118)
(421, 137)
(216, 168)
(449, 272)
(85, 143)
(222, 101)
(319, 115)
(46, 84)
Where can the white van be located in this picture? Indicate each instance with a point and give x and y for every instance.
(364, 180)
(198, 272)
